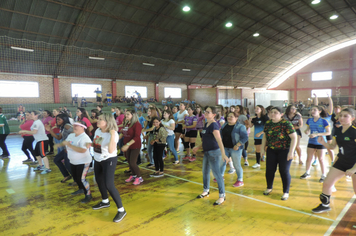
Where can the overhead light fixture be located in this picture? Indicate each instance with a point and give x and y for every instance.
(185, 69)
(97, 58)
(148, 64)
(23, 49)
(333, 17)
(186, 8)
(315, 2)
(228, 24)
(256, 34)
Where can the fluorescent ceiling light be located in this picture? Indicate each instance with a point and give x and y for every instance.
(22, 49)
(186, 8)
(185, 69)
(315, 2)
(291, 70)
(333, 17)
(256, 34)
(97, 58)
(228, 24)
(148, 64)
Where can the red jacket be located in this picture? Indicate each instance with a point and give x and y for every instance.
(132, 133)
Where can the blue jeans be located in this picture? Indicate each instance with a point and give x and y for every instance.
(56, 141)
(211, 161)
(150, 151)
(170, 142)
(236, 160)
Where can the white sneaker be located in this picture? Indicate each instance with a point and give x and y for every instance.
(256, 166)
(246, 163)
(348, 178)
(231, 171)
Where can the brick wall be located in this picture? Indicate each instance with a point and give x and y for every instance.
(45, 89)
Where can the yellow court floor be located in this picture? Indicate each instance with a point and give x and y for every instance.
(35, 204)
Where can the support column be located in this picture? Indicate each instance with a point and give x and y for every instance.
(188, 93)
(295, 87)
(157, 92)
(241, 97)
(351, 73)
(217, 96)
(56, 90)
(113, 88)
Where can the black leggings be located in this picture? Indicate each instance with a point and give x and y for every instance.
(50, 143)
(3, 146)
(27, 147)
(104, 175)
(278, 157)
(131, 156)
(79, 173)
(244, 151)
(157, 156)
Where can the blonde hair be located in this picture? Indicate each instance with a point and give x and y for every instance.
(110, 122)
(134, 118)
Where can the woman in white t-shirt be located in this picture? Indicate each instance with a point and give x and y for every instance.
(169, 123)
(180, 121)
(77, 146)
(105, 152)
(39, 133)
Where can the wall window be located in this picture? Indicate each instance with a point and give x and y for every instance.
(134, 91)
(173, 92)
(318, 76)
(85, 90)
(321, 93)
(17, 89)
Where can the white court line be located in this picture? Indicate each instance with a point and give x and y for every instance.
(341, 215)
(240, 195)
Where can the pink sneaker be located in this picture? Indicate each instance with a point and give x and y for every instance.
(186, 158)
(192, 159)
(238, 184)
(130, 179)
(137, 181)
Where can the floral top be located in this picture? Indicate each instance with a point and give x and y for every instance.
(277, 134)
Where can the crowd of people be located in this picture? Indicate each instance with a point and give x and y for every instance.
(92, 141)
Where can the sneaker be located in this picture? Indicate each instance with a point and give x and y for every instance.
(101, 205)
(46, 171)
(79, 191)
(157, 175)
(246, 163)
(231, 171)
(86, 199)
(263, 159)
(27, 161)
(322, 178)
(285, 196)
(119, 216)
(256, 166)
(238, 184)
(314, 163)
(130, 179)
(321, 209)
(192, 159)
(144, 149)
(348, 178)
(186, 158)
(34, 163)
(149, 165)
(38, 168)
(305, 176)
(175, 162)
(73, 184)
(137, 181)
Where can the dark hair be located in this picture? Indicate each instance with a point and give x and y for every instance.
(84, 113)
(170, 113)
(201, 111)
(154, 112)
(352, 113)
(213, 109)
(37, 113)
(101, 106)
(269, 108)
(279, 109)
(97, 113)
(48, 113)
(230, 112)
(241, 109)
(192, 108)
(65, 119)
(156, 118)
(288, 109)
(263, 112)
(323, 113)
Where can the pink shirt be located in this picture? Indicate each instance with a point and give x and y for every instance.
(119, 120)
(45, 122)
(26, 126)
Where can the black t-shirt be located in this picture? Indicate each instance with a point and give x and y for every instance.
(347, 144)
(334, 120)
(226, 136)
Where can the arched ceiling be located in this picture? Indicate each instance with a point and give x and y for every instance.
(128, 33)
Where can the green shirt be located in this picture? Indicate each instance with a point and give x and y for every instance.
(277, 134)
(4, 129)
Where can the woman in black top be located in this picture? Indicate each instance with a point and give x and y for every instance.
(345, 162)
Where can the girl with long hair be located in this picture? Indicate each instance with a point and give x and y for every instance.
(159, 142)
(190, 122)
(169, 123)
(181, 114)
(151, 113)
(28, 139)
